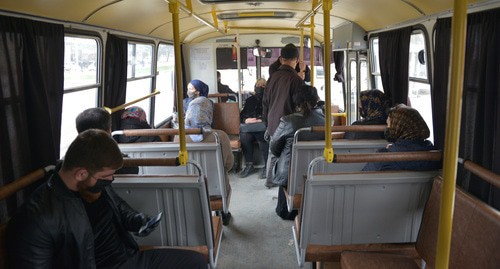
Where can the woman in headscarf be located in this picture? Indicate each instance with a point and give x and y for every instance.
(407, 131)
(373, 106)
(134, 117)
(195, 89)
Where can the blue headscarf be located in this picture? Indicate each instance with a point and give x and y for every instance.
(200, 86)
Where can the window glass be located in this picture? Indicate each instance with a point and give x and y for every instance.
(419, 88)
(81, 83)
(336, 92)
(363, 74)
(73, 104)
(164, 102)
(80, 61)
(140, 57)
(375, 56)
(354, 100)
(418, 56)
(419, 95)
(137, 89)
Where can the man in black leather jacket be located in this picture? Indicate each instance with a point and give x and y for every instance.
(76, 220)
(307, 115)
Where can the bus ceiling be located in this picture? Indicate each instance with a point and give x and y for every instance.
(200, 20)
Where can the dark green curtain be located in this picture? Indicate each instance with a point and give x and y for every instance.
(31, 94)
(480, 122)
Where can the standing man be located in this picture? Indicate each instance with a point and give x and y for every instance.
(277, 101)
(76, 220)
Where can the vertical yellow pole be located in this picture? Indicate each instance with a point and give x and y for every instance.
(301, 54)
(314, 2)
(173, 7)
(452, 134)
(328, 152)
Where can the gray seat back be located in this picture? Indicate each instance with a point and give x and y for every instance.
(362, 208)
(303, 152)
(207, 155)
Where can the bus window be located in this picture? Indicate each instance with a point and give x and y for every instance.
(81, 82)
(419, 93)
(354, 102)
(375, 64)
(164, 102)
(140, 74)
(363, 75)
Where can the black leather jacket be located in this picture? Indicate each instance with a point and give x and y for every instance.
(52, 230)
(282, 140)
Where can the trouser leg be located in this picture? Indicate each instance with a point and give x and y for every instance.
(166, 258)
(263, 145)
(246, 140)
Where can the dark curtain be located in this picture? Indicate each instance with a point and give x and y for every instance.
(394, 52)
(440, 82)
(480, 122)
(31, 87)
(115, 76)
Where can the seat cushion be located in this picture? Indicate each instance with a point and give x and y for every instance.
(367, 260)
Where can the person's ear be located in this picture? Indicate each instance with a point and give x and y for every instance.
(81, 174)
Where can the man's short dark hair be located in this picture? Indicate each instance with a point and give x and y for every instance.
(93, 118)
(289, 51)
(93, 150)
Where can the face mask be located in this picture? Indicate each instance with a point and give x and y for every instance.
(388, 136)
(100, 185)
(259, 91)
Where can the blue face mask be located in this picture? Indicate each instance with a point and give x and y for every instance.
(100, 185)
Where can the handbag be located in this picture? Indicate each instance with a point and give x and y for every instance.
(252, 127)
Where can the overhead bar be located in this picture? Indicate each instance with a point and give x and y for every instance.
(311, 13)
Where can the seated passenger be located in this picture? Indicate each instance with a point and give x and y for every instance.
(307, 114)
(223, 88)
(407, 131)
(76, 220)
(99, 118)
(372, 106)
(134, 117)
(200, 115)
(253, 129)
(195, 88)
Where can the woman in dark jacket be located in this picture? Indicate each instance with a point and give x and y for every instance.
(373, 107)
(307, 115)
(134, 117)
(407, 131)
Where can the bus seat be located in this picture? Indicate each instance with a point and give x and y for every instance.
(183, 199)
(207, 154)
(359, 208)
(303, 152)
(227, 119)
(474, 243)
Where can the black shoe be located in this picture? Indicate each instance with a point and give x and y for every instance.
(263, 173)
(270, 185)
(225, 218)
(249, 169)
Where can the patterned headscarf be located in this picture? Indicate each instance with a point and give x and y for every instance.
(134, 112)
(200, 86)
(406, 123)
(374, 104)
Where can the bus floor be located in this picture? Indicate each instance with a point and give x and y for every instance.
(256, 238)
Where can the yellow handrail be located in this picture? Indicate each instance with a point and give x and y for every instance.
(120, 107)
(452, 134)
(328, 152)
(173, 7)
